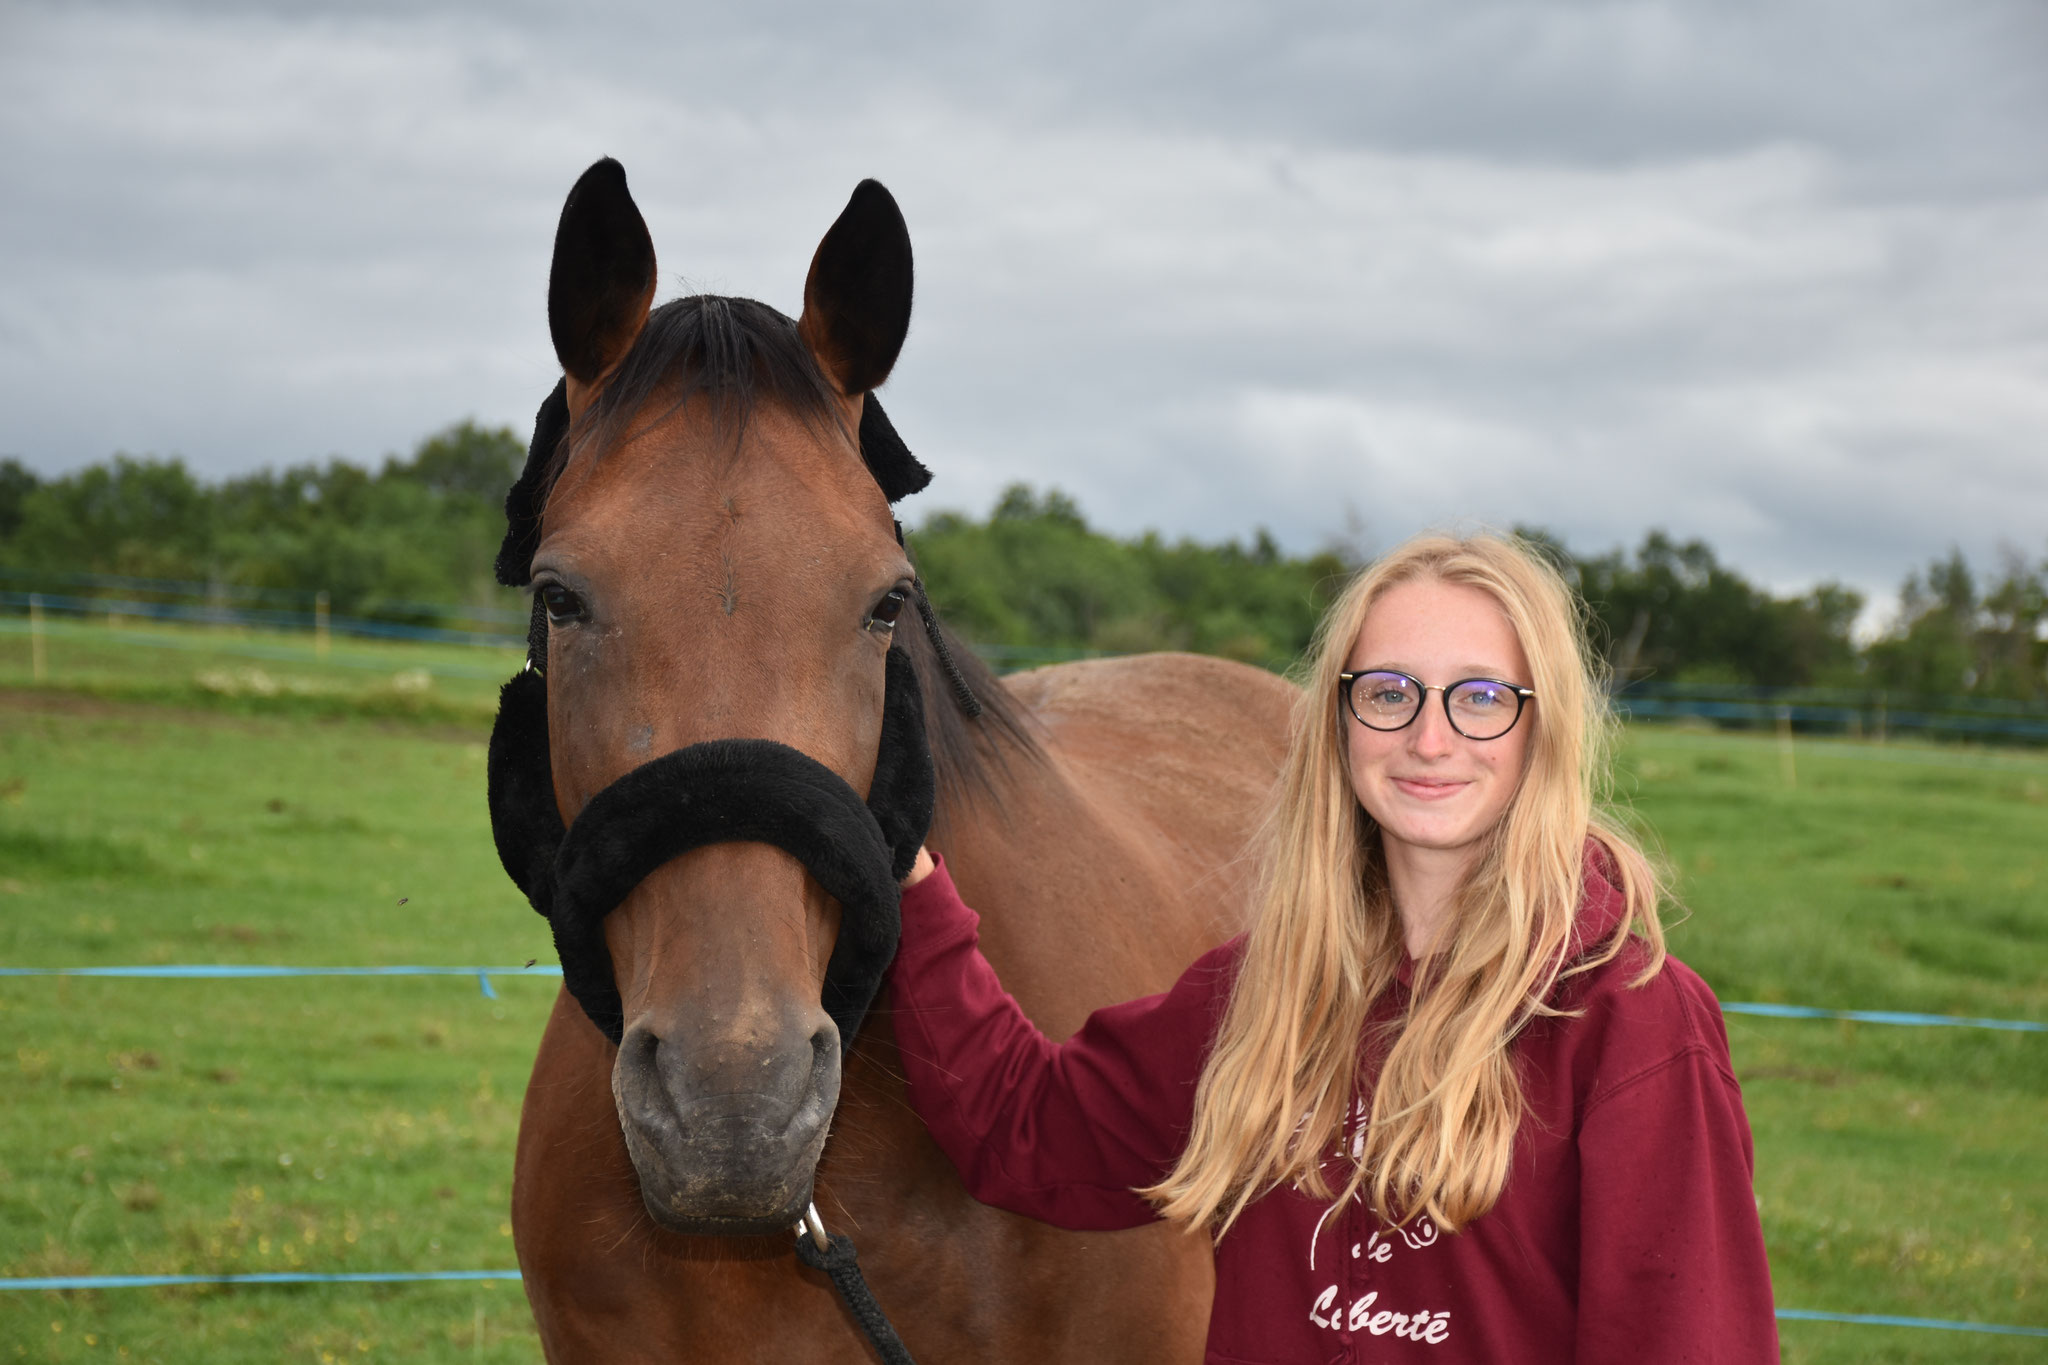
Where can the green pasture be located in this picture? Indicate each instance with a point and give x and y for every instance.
(325, 815)
(242, 671)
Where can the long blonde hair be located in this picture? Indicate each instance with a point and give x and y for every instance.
(1280, 1083)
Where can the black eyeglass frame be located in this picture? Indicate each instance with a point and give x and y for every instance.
(1344, 695)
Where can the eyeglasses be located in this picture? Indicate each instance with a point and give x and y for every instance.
(1478, 708)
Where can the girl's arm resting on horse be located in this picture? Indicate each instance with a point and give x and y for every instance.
(1061, 1132)
(1671, 1256)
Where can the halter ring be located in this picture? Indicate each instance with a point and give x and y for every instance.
(815, 1226)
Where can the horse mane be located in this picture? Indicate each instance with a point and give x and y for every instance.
(971, 753)
(740, 353)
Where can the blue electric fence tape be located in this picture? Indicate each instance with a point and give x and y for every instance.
(66, 1282)
(483, 975)
(194, 971)
(1886, 1320)
(1880, 1017)
(277, 1277)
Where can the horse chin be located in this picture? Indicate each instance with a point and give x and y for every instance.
(733, 1191)
(735, 1165)
(779, 1226)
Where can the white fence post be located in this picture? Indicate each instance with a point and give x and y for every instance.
(39, 661)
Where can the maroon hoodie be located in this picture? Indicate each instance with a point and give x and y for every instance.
(1627, 1231)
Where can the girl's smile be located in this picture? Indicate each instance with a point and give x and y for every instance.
(1433, 792)
(1428, 789)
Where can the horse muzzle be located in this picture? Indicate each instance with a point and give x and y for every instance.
(725, 1133)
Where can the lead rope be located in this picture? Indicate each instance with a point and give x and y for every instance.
(834, 1254)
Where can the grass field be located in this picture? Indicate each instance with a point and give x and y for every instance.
(255, 673)
(326, 816)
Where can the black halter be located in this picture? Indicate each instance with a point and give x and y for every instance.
(723, 791)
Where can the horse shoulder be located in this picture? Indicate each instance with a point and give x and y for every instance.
(1178, 732)
(1106, 870)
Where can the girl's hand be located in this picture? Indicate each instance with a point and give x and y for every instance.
(921, 869)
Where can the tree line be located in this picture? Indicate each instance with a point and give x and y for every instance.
(386, 542)
(1031, 578)
(1034, 574)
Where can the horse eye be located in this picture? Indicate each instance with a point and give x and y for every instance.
(563, 606)
(883, 617)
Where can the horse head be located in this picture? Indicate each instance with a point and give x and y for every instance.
(718, 563)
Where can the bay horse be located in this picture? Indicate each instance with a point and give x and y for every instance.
(717, 560)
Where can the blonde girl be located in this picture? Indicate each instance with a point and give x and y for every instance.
(1448, 1099)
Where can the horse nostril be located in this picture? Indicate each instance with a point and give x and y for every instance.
(636, 1075)
(639, 1047)
(825, 1059)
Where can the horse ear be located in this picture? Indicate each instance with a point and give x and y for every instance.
(602, 281)
(857, 297)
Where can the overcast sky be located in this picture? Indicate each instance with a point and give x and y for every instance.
(1771, 274)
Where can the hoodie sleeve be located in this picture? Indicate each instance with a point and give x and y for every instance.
(1671, 1252)
(1061, 1132)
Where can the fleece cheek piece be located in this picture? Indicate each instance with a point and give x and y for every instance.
(526, 824)
(528, 495)
(723, 791)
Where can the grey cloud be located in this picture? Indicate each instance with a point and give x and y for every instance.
(1755, 272)
(1948, 87)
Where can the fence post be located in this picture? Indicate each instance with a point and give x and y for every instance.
(320, 623)
(1880, 717)
(39, 663)
(1785, 746)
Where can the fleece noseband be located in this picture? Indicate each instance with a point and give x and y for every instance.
(722, 791)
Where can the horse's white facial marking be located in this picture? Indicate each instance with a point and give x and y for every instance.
(729, 595)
